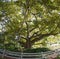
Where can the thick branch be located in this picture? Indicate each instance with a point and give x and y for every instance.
(34, 34)
(42, 36)
(32, 29)
(27, 30)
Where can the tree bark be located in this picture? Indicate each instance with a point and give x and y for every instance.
(28, 44)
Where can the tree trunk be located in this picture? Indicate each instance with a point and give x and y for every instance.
(28, 44)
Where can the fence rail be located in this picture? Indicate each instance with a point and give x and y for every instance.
(18, 55)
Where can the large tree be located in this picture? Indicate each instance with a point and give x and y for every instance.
(28, 21)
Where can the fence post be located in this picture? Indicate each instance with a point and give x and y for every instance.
(21, 55)
(3, 54)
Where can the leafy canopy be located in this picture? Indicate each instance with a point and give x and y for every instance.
(28, 21)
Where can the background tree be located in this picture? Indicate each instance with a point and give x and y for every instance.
(28, 21)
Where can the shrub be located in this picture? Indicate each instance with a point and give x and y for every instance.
(36, 50)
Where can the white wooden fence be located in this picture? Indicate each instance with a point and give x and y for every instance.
(18, 55)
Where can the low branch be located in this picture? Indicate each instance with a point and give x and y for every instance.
(22, 37)
(21, 43)
(42, 36)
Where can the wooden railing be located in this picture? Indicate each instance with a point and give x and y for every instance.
(18, 55)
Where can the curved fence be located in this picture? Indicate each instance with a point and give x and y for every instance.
(18, 55)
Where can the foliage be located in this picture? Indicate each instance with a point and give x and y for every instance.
(28, 21)
(37, 50)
